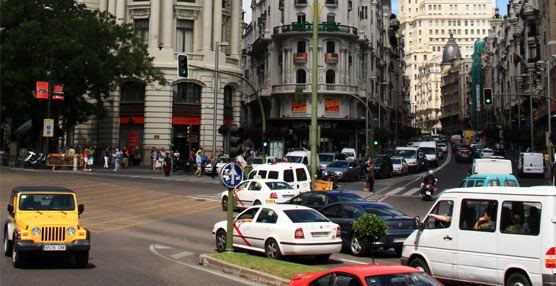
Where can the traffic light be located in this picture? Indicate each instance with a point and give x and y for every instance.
(487, 93)
(265, 139)
(183, 67)
(375, 143)
(235, 140)
(223, 129)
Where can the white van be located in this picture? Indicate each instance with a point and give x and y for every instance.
(303, 157)
(350, 153)
(429, 149)
(512, 244)
(491, 166)
(296, 174)
(410, 156)
(530, 163)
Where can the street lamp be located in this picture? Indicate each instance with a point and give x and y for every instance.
(216, 52)
(46, 148)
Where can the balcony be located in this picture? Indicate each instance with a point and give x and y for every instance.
(300, 3)
(331, 58)
(330, 88)
(300, 58)
(332, 3)
(306, 28)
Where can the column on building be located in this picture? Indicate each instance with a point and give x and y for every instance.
(207, 25)
(167, 27)
(217, 22)
(235, 45)
(120, 11)
(103, 5)
(154, 24)
(112, 7)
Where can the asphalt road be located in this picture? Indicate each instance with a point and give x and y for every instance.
(149, 231)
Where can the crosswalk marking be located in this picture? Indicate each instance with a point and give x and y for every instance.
(410, 192)
(395, 191)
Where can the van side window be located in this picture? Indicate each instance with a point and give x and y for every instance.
(440, 216)
(262, 174)
(478, 215)
(288, 175)
(479, 183)
(520, 218)
(470, 183)
(493, 183)
(301, 174)
(510, 183)
(273, 175)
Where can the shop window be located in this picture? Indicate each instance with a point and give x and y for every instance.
(132, 91)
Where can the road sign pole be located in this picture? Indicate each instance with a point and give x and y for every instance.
(230, 227)
(230, 176)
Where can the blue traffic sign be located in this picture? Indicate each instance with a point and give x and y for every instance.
(231, 175)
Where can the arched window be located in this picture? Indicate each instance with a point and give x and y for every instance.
(301, 76)
(330, 76)
(132, 91)
(186, 92)
(330, 47)
(301, 47)
(228, 96)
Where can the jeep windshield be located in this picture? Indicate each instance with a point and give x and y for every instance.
(46, 202)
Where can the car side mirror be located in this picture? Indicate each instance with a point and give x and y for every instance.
(418, 224)
(11, 209)
(80, 208)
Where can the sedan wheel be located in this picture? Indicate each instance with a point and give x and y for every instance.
(356, 247)
(225, 203)
(272, 250)
(220, 241)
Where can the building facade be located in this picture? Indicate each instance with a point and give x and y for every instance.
(351, 65)
(179, 115)
(427, 26)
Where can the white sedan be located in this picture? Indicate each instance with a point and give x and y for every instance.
(259, 191)
(487, 153)
(280, 230)
(399, 166)
(219, 164)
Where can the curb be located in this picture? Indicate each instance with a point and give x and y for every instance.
(249, 274)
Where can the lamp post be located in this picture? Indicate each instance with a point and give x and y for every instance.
(216, 52)
(50, 89)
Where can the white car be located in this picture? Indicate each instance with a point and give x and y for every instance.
(219, 164)
(442, 146)
(487, 153)
(280, 230)
(399, 166)
(260, 191)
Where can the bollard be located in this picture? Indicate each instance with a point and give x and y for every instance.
(75, 163)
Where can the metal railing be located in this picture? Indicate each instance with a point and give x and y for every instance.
(63, 160)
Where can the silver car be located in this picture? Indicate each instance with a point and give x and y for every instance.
(399, 166)
(342, 170)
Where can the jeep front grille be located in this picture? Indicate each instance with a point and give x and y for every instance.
(53, 233)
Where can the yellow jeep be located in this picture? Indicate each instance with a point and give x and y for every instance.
(45, 219)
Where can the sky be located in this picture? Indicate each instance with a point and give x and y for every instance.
(500, 4)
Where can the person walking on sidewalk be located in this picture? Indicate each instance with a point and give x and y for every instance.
(106, 156)
(85, 159)
(167, 164)
(369, 176)
(116, 160)
(91, 158)
(199, 162)
(213, 163)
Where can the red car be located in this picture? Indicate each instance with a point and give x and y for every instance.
(366, 275)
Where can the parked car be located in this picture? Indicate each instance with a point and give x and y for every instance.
(318, 199)
(383, 166)
(280, 230)
(342, 170)
(259, 191)
(219, 164)
(486, 153)
(368, 274)
(399, 166)
(464, 154)
(344, 214)
(350, 153)
(327, 158)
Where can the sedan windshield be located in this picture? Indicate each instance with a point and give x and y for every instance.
(300, 216)
(278, 186)
(383, 210)
(44, 202)
(326, 158)
(338, 164)
(415, 278)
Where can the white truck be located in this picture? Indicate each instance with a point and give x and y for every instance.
(430, 150)
(530, 163)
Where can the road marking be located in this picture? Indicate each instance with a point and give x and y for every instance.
(161, 246)
(410, 192)
(181, 254)
(353, 261)
(394, 191)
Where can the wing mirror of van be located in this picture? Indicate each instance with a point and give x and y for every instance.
(418, 224)
(11, 209)
(80, 208)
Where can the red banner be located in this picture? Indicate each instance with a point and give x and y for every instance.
(186, 120)
(332, 105)
(299, 107)
(58, 92)
(132, 119)
(42, 90)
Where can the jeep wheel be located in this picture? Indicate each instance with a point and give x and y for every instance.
(81, 258)
(7, 244)
(17, 257)
(220, 241)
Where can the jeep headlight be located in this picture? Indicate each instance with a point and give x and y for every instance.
(338, 173)
(36, 231)
(70, 231)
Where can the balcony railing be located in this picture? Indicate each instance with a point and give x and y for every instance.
(332, 87)
(323, 28)
(300, 58)
(331, 58)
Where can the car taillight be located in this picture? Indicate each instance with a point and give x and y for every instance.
(299, 234)
(338, 232)
(469, 152)
(274, 195)
(459, 152)
(550, 258)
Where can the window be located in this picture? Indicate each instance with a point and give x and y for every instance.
(302, 199)
(520, 218)
(510, 183)
(333, 211)
(301, 174)
(228, 91)
(330, 47)
(248, 215)
(186, 92)
(441, 215)
(184, 36)
(297, 2)
(301, 76)
(262, 173)
(330, 77)
(301, 17)
(255, 186)
(190, 1)
(273, 175)
(478, 215)
(132, 91)
(288, 176)
(301, 46)
(267, 216)
(493, 183)
(142, 30)
(331, 18)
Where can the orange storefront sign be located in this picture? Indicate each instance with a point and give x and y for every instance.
(332, 105)
(186, 120)
(302, 107)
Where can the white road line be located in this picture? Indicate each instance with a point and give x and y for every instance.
(410, 192)
(353, 261)
(394, 191)
(181, 254)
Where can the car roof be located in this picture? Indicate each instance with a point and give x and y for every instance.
(41, 189)
(485, 176)
(359, 203)
(374, 269)
(266, 180)
(285, 207)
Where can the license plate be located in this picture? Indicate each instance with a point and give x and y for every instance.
(319, 234)
(269, 201)
(399, 239)
(428, 193)
(54, 247)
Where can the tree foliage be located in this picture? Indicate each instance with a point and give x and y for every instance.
(369, 228)
(91, 54)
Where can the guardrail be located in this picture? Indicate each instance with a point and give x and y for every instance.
(63, 160)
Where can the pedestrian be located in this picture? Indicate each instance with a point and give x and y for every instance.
(199, 162)
(167, 164)
(106, 156)
(125, 161)
(153, 158)
(91, 157)
(213, 163)
(71, 151)
(369, 175)
(116, 160)
(85, 159)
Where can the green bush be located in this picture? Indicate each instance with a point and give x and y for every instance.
(369, 228)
